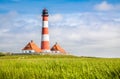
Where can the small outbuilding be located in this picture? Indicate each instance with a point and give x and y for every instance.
(57, 49)
(31, 47)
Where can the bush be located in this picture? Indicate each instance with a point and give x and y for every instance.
(2, 54)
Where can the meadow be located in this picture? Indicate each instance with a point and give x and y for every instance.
(58, 67)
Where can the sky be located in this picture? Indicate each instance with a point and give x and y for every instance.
(81, 27)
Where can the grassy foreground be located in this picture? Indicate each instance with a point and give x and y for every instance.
(58, 67)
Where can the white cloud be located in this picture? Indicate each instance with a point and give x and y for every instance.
(117, 19)
(104, 6)
(87, 34)
(94, 34)
(4, 30)
(55, 18)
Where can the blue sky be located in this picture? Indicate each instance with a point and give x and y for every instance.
(55, 6)
(81, 27)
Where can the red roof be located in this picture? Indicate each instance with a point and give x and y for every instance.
(32, 46)
(57, 47)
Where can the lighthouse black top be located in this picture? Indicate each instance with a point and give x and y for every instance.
(45, 12)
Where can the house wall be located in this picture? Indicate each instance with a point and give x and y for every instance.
(28, 51)
(56, 52)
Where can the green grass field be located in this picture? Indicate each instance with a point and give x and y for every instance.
(58, 67)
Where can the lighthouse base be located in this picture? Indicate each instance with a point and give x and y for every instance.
(46, 51)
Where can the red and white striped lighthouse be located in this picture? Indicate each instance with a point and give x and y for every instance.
(45, 45)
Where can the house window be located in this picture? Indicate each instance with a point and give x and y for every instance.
(30, 52)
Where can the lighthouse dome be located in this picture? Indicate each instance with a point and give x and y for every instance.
(45, 12)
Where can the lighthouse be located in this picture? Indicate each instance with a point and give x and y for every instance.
(31, 47)
(45, 44)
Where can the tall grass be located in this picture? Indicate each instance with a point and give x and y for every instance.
(59, 68)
